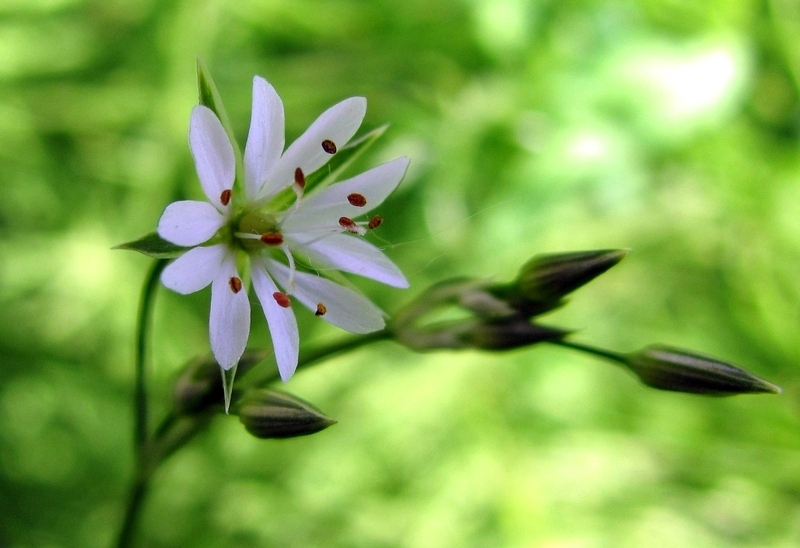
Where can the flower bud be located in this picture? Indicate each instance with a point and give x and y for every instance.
(546, 279)
(681, 371)
(200, 385)
(271, 414)
(508, 334)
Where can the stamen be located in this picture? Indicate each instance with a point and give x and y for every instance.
(375, 222)
(321, 310)
(292, 267)
(357, 199)
(225, 197)
(329, 146)
(300, 178)
(282, 299)
(236, 284)
(350, 226)
(272, 238)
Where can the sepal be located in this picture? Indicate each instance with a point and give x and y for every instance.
(154, 246)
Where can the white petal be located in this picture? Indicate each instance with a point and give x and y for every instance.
(229, 322)
(213, 154)
(344, 307)
(266, 138)
(352, 254)
(338, 124)
(325, 207)
(281, 322)
(189, 223)
(195, 269)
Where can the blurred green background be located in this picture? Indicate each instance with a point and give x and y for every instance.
(669, 127)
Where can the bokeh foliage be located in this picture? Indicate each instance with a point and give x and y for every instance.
(670, 127)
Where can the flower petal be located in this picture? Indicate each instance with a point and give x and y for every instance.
(337, 124)
(343, 307)
(281, 321)
(352, 254)
(194, 270)
(325, 207)
(266, 138)
(189, 222)
(213, 154)
(229, 322)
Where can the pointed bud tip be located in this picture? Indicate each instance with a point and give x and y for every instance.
(270, 414)
(679, 370)
(548, 278)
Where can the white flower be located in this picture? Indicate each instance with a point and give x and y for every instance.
(318, 229)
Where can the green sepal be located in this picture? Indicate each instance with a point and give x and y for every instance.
(209, 97)
(154, 246)
(343, 158)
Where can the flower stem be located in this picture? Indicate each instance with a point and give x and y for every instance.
(593, 350)
(139, 487)
(321, 352)
(143, 322)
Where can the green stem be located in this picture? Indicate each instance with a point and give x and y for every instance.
(321, 352)
(593, 350)
(139, 487)
(143, 322)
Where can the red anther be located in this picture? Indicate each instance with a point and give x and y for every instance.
(348, 224)
(236, 284)
(225, 197)
(272, 238)
(329, 146)
(375, 222)
(321, 309)
(299, 178)
(357, 199)
(282, 299)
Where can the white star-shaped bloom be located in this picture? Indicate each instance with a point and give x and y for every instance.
(320, 229)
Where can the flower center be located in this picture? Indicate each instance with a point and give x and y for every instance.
(256, 229)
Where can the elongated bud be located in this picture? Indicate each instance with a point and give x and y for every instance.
(200, 385)
(546, 279)
(673, 369)
(512, 333)
(271, 414)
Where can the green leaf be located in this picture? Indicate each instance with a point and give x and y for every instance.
(154, 246)
(343, 158)
(209, 97)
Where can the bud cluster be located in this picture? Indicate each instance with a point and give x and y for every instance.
(500, 316)
(503, 316)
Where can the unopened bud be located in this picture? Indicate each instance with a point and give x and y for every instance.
(200, 385)
(546, 279)
(271, 414)
(512, 333)
(681, 371)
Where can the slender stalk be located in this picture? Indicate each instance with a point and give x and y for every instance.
(140, 485)
(314, 355)
(324, 351)
(136, 495)
(143, 321)
(593, 350)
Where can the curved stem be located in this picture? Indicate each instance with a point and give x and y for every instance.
(139, 487)
(316, 354)
(142, 339)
